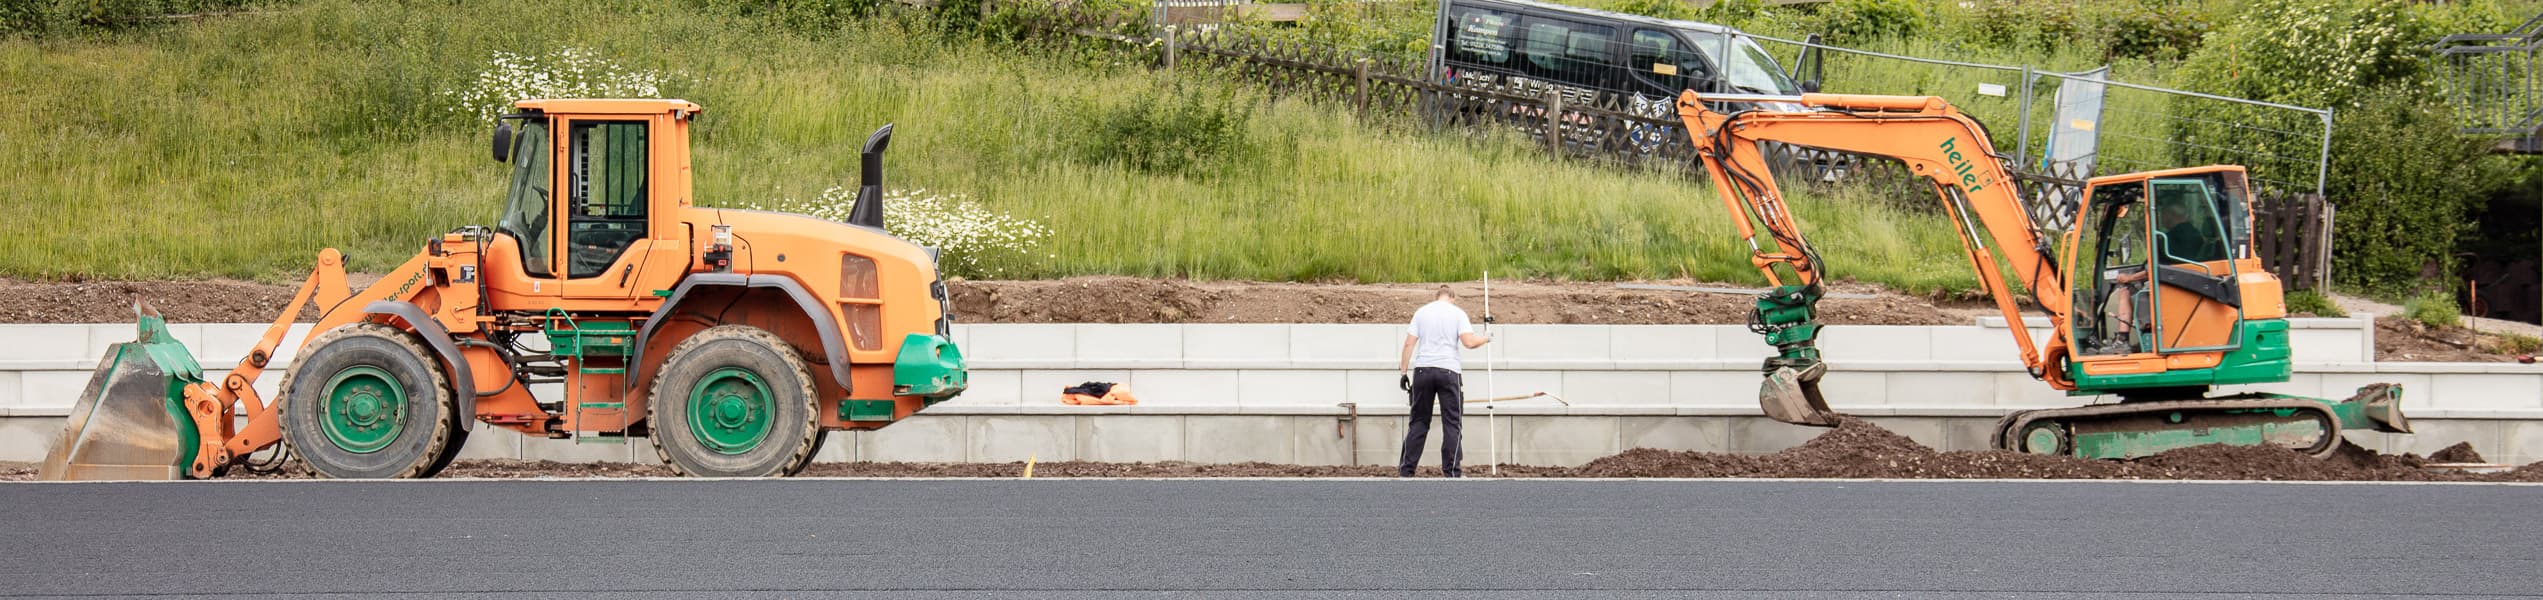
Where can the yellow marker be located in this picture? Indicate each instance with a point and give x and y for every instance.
(1028, 465)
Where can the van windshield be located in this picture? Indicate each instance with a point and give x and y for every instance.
(1750, 69)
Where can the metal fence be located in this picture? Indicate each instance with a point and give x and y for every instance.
(2489, 80)
(2138, 128)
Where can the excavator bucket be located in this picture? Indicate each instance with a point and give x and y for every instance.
(1792, 396)
(131, 422)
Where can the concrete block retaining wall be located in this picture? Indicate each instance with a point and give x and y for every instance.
(1282, 393)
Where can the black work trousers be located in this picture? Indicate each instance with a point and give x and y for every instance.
(1447, 389)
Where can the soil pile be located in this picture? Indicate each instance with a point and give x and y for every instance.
(2461, 452)
(1137, 300)
(111, 301)
(2405, 340)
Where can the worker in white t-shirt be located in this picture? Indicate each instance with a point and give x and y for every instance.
(1430, 370)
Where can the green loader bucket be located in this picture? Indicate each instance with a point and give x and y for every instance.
(131, 422)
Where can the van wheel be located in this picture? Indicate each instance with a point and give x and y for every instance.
(734, 401)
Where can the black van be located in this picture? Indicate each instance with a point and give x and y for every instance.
(1525, 43)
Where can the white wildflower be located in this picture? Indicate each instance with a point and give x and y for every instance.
(971, 238)
(567, 73)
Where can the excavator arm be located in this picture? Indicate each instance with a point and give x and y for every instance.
(1936, 142)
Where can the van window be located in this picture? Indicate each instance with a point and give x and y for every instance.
(1665, 60)
(1481, 36)
(1564, 51)
(1749, 68)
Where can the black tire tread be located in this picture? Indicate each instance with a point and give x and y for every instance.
(441, 440)
(655, 398)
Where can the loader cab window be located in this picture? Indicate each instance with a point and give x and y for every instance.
(2110, 264)
(525, 205)
(606, 193)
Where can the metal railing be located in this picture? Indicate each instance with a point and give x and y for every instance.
(2489, 79)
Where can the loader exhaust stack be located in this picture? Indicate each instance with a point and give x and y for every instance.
(868, 210)
(131, 422)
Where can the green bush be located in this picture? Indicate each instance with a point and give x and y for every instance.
(2314, 303)
(2437, 309)
(2142, 30)
(800, 15)
(2403, 181)
(2022, 24)
(1855, 21)
(1173, 131)
(2514, 343)
(39, 17)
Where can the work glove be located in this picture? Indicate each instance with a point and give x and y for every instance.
(1404, 381)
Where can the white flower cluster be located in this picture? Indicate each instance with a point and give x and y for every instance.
(971, 237)
(567, 73)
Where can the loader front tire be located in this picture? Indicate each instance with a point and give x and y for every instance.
(366, 401)
(734, 401)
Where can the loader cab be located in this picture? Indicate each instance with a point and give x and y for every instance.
(589, 213)
(2165, 282)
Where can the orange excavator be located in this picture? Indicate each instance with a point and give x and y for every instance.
(733, 338)
(2154, 296)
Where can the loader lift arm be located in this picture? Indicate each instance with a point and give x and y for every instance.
(1938, 143)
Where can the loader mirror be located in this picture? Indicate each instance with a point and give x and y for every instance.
(503, 142)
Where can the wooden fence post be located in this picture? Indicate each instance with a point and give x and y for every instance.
(1554, 120)
(1360, 86)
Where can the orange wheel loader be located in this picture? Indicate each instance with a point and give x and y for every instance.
(734, 339)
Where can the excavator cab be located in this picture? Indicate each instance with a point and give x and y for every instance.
(2161, 301)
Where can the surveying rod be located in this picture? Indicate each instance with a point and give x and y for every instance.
(1492, 418)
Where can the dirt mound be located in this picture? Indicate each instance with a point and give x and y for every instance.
(2461, 452)
(217, 301)
(2402, 339)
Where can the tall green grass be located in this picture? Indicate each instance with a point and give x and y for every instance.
(238, 147)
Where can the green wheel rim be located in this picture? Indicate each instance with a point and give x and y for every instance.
(2041, 439)
(730, 410)
(366, 409)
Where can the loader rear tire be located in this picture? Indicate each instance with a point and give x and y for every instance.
(734, 401)
(366, 401)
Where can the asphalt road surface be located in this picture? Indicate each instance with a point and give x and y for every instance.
(1048, 538)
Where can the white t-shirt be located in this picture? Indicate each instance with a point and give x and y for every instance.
(1438, 325)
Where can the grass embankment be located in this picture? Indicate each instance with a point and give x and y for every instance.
(239, 146)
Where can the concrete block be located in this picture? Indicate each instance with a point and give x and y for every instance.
(49, 342)
(1616, 387)
(1159, 387)
(1712, 388)
(921, 438)
(1130, 438)
(227, 342)
(101, 337)
(1339, 346)
(1554, 344)
(570, 452)
(2433, 435)
(2019, 390)
(2299, 384)
(1928, 431)
(1238, 439)
(1321, 440)
(1289, 388)
(1701, 434)
(1375, 389)
(51, 388)
(26, 440)
(1561, 441)
(1966, 434)
(1042, 388)
(2520, 443)
(1144, 345)
(1015, 438)
(1844, 342)
(2468, 391)
(495, 442)
(1632, 344)
(1973, 343)
(1760, 435)
(1855, 388)
(1930, 389)
(839, 447)
(1481, 384)
(1737, 344)
(2311, 346)
(1380, 439)
(1036, 343)
(10, 391)
(993, 388)
(1235, 345)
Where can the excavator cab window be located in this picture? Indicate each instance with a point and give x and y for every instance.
(525, 206)
(2190, 227)
(606, 171)
(2109, 306)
